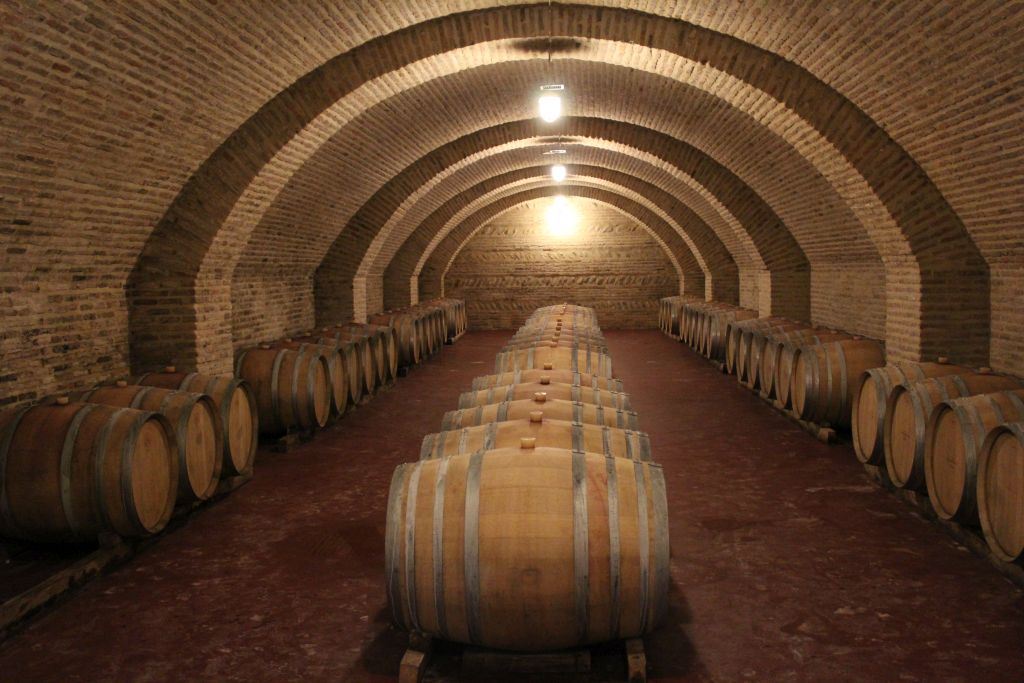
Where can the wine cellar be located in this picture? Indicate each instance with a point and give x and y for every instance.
(535, 341)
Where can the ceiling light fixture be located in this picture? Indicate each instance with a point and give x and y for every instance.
(558, 173)
(550, 107)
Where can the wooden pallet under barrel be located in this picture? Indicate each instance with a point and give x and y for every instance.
(483, 661)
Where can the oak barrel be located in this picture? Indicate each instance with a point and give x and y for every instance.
(567, 392)
(824, 376)
(236, 403)
(576, 359)
(556, 409)
(292, 387)
(1001, 491)
(71, 471)
(908, 409)
(528, 549)
(956, 429)
(197, 425)
(337, 369)
(575, 436)
(871, 395)
(540, 375)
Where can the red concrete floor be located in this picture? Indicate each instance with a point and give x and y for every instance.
(788, 564)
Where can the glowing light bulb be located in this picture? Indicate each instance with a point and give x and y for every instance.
(550, 107)
(561, 218)
(558, 173)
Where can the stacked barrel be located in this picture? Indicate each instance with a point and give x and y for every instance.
(535, 519)
(952, 433)
(117, 459)
(301, 383)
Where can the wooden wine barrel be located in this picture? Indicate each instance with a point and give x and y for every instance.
(578, 437)
(871, 394)
(198, 430)
(378, 341)
(733, 334)
(824, 376)
(565, 392)
(1001, 491)
(556, 409)
(352, 358)
(906, 418)
(556, 339)
(715, 338)
(581, 556)
(236, 404)
(574, 358)
(364, 350)
(779, 349)
(337, 369)
(956, 429)
(71, 471)
(600, 347)
(405, 330)
(292, 387)
(389, 339)
(539, 375)
(758, 342)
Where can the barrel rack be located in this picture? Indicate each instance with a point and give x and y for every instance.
(481, 660)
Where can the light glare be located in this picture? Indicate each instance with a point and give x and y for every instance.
(561, 218)
(550, 107)
(558, 173)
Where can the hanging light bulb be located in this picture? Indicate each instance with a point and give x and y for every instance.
(558, 173)
(561, 218)
(550, 107)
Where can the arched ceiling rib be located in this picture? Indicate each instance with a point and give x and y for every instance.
(934, 234)
(711, 255)
(455, 179)
(432, 274)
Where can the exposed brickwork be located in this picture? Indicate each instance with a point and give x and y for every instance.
(876, 148)
(513, 265)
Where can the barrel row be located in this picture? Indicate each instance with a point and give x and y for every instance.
(423, 329)
(118, 458)
(538, 472)
(948, 431)
(301, 383)
(952, 433)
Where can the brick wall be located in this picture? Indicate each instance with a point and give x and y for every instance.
(514, 265)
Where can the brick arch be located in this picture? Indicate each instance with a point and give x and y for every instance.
(782, 256)
(165, 276)
(400, 276)
(430, 278)
(719, 267)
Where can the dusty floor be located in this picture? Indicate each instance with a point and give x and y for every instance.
(788, 564)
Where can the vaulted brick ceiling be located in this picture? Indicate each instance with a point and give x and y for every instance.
(851, 164)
